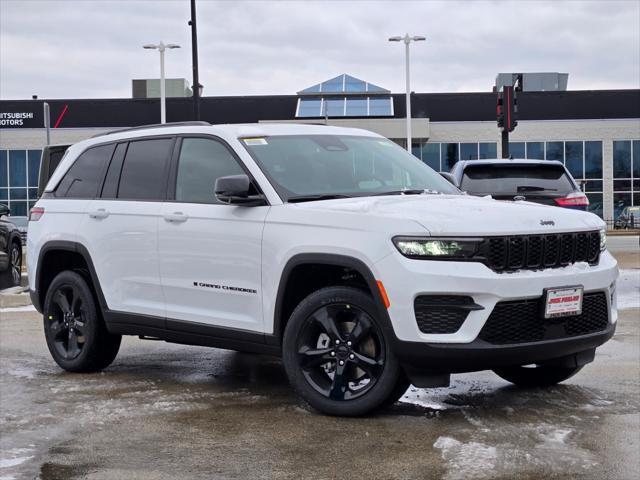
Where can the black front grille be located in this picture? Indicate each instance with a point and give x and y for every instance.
(539, 251)
(442, 313)
(522, 321)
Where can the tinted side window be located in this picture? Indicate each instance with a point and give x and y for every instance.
(85, 175)
(201, 162)
(144, 170)
(110, 188)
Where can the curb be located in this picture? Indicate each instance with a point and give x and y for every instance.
(14, 297)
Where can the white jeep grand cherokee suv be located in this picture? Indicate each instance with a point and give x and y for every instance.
(335, 248)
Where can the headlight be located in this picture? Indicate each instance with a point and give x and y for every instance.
(437, 248)
(603, 239)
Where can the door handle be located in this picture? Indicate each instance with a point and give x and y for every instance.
(99, 213)
(176, 217)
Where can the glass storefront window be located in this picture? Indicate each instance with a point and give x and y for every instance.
(555, 151)
(621, 159)
(449, 156)
(33, 159)
(595, 203)
(468, 151)
(431, 155)
(620, 200)
(488, 150)
(636, 159)
(4, 170)
(333, 107)
(309, 107)
(356, 107)
(535, 150)
(516, 150)
(573, 158)
(593, 159)
(18, 209)
(17, 168)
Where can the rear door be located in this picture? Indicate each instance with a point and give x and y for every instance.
(540, 183)
(121, 227)
(210, 253)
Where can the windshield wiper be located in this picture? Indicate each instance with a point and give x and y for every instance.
(311, 198)
(532, 188)
(407, 191)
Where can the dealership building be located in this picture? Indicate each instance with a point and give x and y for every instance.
(595, 133)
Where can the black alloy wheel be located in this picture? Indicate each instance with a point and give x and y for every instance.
(76, 335)
(15, 257)
(67, 322)
(340, 351)
(336, 353)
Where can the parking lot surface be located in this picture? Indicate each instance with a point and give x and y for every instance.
(164, 411)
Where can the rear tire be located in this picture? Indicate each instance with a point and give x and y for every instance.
(538, 376)
(336, 354)
(76, 335)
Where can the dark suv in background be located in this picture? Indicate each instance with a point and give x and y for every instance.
(540, 181)
(10, 251)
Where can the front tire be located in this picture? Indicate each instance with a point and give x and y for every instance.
(536, 376)
(336, 354)
(76, 335)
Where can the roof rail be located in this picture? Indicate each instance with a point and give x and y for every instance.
(156, 125)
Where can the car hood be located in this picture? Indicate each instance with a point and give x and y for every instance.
(465, 214)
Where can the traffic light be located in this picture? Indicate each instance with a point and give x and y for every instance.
(500, 111)
(507, 109)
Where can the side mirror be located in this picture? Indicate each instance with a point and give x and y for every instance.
(4, 210)
(237, 190)
(450, 178)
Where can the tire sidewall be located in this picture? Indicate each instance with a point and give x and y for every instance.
(385, 384)
(92, 333)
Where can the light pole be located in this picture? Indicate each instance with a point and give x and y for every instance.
(407, 40)
(161, 47)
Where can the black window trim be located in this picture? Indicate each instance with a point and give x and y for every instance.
(173, 169)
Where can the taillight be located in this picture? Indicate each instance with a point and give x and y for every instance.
(575, 199)
(36, 214)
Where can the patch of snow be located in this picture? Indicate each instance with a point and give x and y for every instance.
(628, 289)
(16, 457)
(28, 308)
(467, 460)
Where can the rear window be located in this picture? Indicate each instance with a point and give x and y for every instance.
(85, 175)
(513, 179)
(144, 171)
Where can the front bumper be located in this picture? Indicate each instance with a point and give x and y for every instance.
(405, 279)
(436, 359)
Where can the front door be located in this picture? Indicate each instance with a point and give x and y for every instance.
(210, 252)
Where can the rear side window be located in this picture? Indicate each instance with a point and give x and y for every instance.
(110, 188)
(85, 175)
(491, 179)
(144, 170)
(202, 161)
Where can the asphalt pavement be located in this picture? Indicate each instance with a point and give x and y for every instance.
(164, 411)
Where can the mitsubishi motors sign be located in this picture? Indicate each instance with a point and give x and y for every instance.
(15, 119)
(21, 114)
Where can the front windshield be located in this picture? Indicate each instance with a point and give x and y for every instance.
(341, 165)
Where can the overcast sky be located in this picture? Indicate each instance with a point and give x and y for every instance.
(92, 49)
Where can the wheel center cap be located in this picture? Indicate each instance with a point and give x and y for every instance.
(342, 352)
